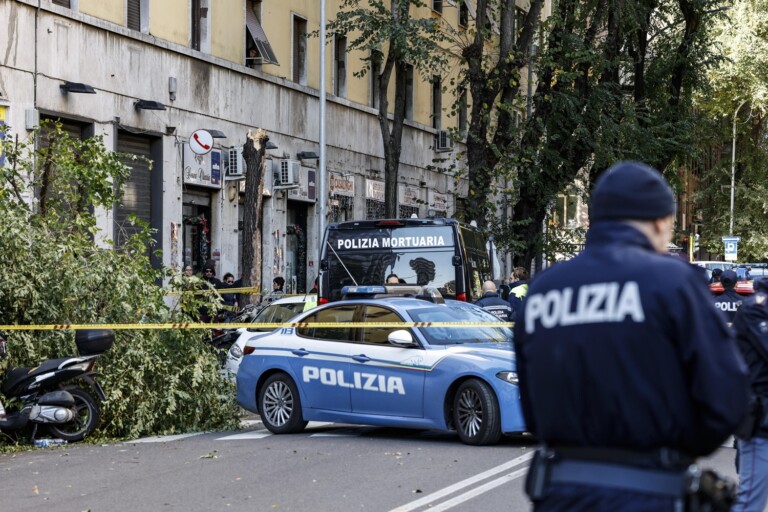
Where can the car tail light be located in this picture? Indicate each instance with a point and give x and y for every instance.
(248, 350)
(323, 300)
(461, 297)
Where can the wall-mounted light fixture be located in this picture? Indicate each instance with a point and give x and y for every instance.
(76, 88)
(217, 134)
(271, 145)
(148, 105)
(306, 155)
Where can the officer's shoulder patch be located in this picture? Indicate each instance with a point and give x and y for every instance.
(761, 299)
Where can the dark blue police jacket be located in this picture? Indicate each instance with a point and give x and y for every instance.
(621, 347)
(491, 302)
(728, 302)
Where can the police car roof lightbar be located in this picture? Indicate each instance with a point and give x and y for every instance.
(428, 293)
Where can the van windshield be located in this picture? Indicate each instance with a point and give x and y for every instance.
(417, 255)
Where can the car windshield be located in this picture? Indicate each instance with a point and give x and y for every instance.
(459, 335)
(276, 313)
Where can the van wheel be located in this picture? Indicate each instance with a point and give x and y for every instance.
(476, 413)
(280, 405)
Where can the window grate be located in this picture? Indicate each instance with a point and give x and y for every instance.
(343, 209)
(374, 209)
(406, 211)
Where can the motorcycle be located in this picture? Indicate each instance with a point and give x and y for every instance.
(48, 394)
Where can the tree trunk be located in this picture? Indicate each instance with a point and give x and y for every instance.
(253, 154)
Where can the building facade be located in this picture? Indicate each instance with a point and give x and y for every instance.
(162, 69)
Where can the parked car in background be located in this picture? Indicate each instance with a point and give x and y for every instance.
(279, 311)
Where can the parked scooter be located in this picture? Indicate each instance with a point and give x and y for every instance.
(49, 394)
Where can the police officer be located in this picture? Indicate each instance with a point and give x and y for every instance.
(716, 273)
(751, 324)
(626, 373)
(491, 302)
(728, 301)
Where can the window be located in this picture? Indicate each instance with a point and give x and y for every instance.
(299, 50)
(437, 6)
(408, 91)
(63, 3)
(375, 209)
(376, 57)
(379, 335)
(200, 26)
(197, 14)
(462, 113)
(257, 48)
(339, 314)
(340, 66)
(437, 101)
(565, 212)
(137, 15)
(406, 211)
(463, 14)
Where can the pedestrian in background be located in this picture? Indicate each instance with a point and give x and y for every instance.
(229, 300)
(729, 301)
(491, 302)
(750, 323)
(517, 289)
(716, 273)
(277, 289)
(626, 372)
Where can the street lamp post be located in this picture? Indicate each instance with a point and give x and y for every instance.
(733, 165)
(321, 172)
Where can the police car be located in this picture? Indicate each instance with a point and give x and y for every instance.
(435, 376)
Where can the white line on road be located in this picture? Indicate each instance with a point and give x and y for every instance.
(477, 491)
(165, 439)
(470, 481)
(254, 434)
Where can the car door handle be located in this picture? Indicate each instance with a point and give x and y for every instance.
(300, 352)
(362, 358)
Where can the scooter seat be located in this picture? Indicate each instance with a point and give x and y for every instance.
(16, 376)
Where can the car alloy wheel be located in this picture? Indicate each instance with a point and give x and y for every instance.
(280, 405)
(476, 413)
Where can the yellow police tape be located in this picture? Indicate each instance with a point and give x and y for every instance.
(318, 325)
(251, 290)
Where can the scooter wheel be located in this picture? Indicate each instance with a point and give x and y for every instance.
(86, 419)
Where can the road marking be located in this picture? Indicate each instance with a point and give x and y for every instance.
(477, 491)
(165, 439)
(255, 434)
(426, 500)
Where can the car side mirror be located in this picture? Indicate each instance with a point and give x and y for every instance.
(401, 338)
(456, 260)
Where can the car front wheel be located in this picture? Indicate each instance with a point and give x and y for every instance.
(476, 413)
(280, 405)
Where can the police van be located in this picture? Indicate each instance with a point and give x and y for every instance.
(443, 253)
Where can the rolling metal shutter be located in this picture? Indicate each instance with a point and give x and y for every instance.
(136, 197)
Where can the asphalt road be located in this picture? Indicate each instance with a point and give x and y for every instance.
(329, 467)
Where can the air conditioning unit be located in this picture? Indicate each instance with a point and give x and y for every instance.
(443, 141)
(235, 162)
(289, 173)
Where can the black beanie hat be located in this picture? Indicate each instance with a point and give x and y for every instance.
(631, 191)
(728, 279)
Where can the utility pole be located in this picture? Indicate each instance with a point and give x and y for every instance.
(733, 166)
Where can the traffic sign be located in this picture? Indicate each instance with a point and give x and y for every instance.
(731, 247)
(201, 142)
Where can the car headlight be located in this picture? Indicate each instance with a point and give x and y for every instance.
(235, 351)
(510, 377)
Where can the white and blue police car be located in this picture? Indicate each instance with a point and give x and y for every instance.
(430, 375)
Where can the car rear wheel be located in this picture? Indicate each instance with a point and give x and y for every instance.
(476, 413)
(280, 405)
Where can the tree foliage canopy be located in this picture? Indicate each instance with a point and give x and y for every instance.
(58, 270)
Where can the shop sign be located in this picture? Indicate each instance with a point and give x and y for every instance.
(408, 195)
(374, 190)
(202, 170)
(342, 185)
(437, 201)
(307, 186)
